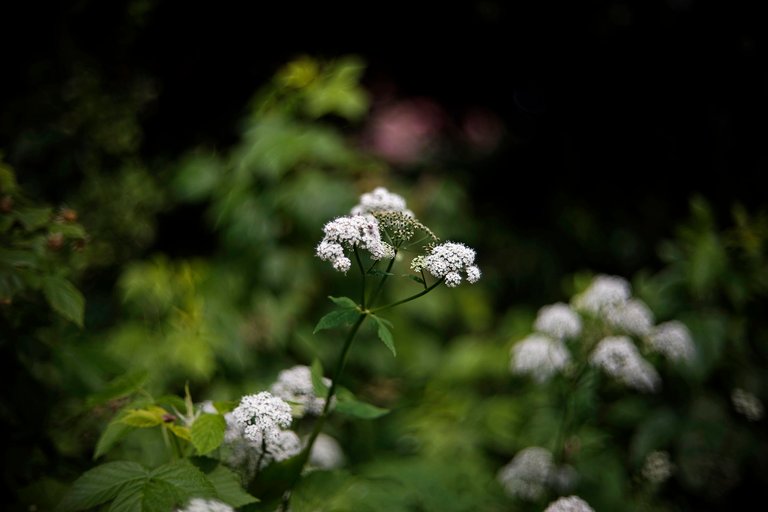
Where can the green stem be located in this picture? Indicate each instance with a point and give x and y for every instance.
(408, 299)
(363, 272)
(376, 293)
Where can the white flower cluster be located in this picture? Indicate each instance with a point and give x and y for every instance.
(326, 453)
(203, 505)
(657, 467)
(618, 357)
(747, 404)
(248, 456)
(447, 261)
(569, 504)
(380, 200)
(532, 471)
(620, 317)
(347, 232)
(294, 385)
(263, 417)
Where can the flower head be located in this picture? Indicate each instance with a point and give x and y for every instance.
(569, 504)
(657, 467)
(673, 340)
(294, 385)
(558, 321)
(539, 356)
(348, 232)
(380, 200)
(747, 404)
(326, 453)
(526, 476)
(447, 261)
(604, 291)
(262, 417)
(632, 316)
(618, 357)
(247, 456)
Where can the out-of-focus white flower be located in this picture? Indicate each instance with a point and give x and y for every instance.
(747, 404)
(539, 356)
(604, 291)
(326, 453)
(619, 358)
(263, 416)
(380, 200)
(203, 505)
(632, 316)
(447, 261)
(294, 385)
(352, 231)
(569, 504)
(558, 321)
(527, 474)
(673, 340)
(657, 467)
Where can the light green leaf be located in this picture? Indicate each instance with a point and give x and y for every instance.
(64, 298)
(101, 484)
(180, 431)
(228, 488)
(208, 432)
(33, 218)
(337, 318)
(144, 418)
(123, 385)
(111, 435)
(344, 302)
(316, 371)
(384, 333)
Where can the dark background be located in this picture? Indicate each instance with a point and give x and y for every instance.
(624, 109)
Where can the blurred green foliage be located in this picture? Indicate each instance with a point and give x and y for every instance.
(226, 319)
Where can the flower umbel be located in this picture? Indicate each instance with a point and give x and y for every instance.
(527, 474)
(294, 385)
(203, 505)
(263, 416)
(539, 356)
(447, 261)
(569, 504)
(380, 200)
(619, 358)
(558, 321)
(348, 232)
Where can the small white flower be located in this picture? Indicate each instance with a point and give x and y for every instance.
(294, 385)
(262, 417)
(558, 321)
(657, 467)
(447, 261)
(347, 232)
(603, 291)
(247, 456)
(673, 340)
(539, 356)
(569, 504)
(380, 200)
(326, 453)
(632, 317)
(527, 474)
(203, 505)
(747, 404)
(619, 358)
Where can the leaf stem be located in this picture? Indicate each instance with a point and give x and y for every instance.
(408, 299)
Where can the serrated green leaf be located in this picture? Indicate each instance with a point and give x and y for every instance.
(337, 318)
(185, 477)
(33, 218)
(344, 302)
(144, 418)
(100, 485)
(207, 432)
(318, 386)
(64, 298)
(359, 409)
(228, 488)
(384, 333)
(225, 406)
(18, 258)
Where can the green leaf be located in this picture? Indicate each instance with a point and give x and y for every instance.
(100, 485)
(144, 418)
(64, 298)
(186, 477)
(180, 431)
(337, 318)
(123, 385)
(33, 218)
(228, 488)
(316, 371)
(344, 302)
(111, 435)
(18, 258)
(208, 432)
(358, 409)
(384, 333)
